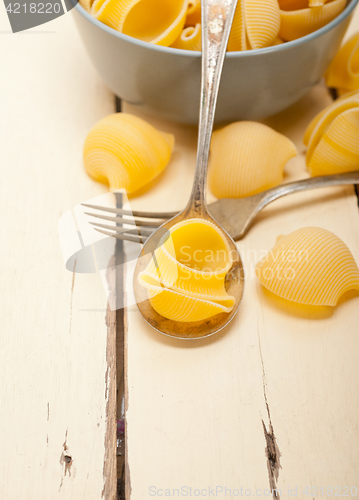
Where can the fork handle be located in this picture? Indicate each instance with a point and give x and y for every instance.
(312, 183)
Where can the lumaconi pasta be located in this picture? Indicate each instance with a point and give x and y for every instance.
(124, 151)
(332, 138)
(257, 23)
(298, 23)
(343, 73)
(156, 21)
(246, 158)
(310, 266)
(189, 39)
(185, 277)
(193, 13)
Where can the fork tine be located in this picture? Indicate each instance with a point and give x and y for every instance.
(131, 222)
(141, 231)
(134, 213)
(125, 237)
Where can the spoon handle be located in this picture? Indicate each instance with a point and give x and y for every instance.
(217, 17)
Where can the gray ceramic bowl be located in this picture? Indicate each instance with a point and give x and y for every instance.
(166, 81)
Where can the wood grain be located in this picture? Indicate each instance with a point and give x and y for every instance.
(271, 401)
(57, 355)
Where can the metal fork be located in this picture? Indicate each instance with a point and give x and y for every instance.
(235, 215)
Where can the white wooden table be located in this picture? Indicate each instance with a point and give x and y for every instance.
(271, 402)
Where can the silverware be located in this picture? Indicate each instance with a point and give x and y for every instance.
(235, 215)
(217, 17)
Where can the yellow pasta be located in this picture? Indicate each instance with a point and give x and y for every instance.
(246, 158)
(310, 266)
(332, 138)
(193, 13)
(189, 39)
(86, 4)
(343, 73)
(112, 12)
(185, 278)
(124, 151)
(298, 23)
(262, 18)
(156, 21)
(153, 21)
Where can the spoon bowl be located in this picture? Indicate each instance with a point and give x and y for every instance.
(234, 285)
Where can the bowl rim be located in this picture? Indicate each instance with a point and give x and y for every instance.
(196, 53)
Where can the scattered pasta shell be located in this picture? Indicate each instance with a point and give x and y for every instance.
(124, 151)
(332, 138)
(247, 158)
(338, 149)
(343, 73)
(298, 23)
(310, 266)
(156, 22)
(189, 39)
(185, 278)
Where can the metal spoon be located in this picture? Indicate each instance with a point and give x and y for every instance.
(217, 17)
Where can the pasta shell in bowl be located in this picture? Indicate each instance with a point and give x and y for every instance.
(261, 75)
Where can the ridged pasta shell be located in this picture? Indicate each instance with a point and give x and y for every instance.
(193, 13)
(238, 37)
(185, 277)
(152, 22)
(262, 19)
(112, 12)
(86, 4)
(338, 149)
(189, 39)
(332, 138)
(247, 158)
(326, 111)
(310, 266)
(343, 73)
(124, 151)
(298, 23)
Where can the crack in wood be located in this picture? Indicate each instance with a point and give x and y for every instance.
(271, 450)
(65, 460)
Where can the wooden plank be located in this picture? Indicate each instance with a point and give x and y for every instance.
(57, 354)
(270, 402)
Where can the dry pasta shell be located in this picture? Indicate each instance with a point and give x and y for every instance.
(179, 307)
(185, 279)
(124, 151)
(189, 39)
(343, 73)
(247, 158)
(310, 266)
(262, 19)
(155, 21)
(327, 111)
(338, 149)
(193, 13)
(298, 23)
(112, 12)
